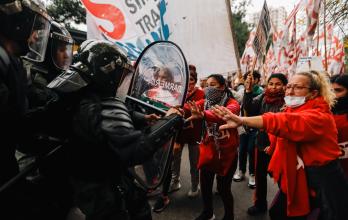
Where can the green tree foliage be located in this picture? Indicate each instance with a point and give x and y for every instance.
(240, 26)
(67, 11)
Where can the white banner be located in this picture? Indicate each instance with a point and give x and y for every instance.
(201, 28)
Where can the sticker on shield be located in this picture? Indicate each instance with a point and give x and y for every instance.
(161, 76)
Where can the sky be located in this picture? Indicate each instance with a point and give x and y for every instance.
(256, 5)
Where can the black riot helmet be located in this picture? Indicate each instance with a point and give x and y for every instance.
(101, 65)
(27, 23)
(61, 45)
(58, 56)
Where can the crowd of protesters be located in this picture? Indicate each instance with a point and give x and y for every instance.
(292, 129)
(300, 141)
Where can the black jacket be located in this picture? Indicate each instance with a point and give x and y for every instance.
(257, 106)
(13, 105)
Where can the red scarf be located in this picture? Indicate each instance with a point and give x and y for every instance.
(274, 97)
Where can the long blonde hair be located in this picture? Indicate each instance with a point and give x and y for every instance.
(320, 81)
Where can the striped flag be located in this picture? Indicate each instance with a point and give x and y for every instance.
(312, 10)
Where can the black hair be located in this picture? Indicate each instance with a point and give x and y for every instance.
(341, 80)
(193, 72)
(222, 81)
(256, 75)
(192, 67)
(279, 76)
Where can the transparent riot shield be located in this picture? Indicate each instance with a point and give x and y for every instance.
(160, 82)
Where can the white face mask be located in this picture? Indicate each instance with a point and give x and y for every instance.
(294, 101)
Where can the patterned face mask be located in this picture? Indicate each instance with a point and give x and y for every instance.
(213, 95)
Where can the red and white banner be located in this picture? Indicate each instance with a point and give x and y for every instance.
(249, 56)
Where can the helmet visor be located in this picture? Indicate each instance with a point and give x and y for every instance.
(126, 81)
(68, 81)
(61, 51)
(38, 38)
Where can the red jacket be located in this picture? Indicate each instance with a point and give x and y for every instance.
(191, 133)
(342, 127)
(308, 131)
(218, 156)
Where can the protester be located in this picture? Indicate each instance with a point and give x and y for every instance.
(203, 83)
(218, 150)
(340, 111)
(247, 139)
(270, 101)
(305, 158)
(190, 135)
(237, 87)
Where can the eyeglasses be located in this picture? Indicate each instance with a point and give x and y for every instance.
(296, 87)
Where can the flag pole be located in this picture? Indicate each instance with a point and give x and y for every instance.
(230, 19)
(325, 35)
(318, 36)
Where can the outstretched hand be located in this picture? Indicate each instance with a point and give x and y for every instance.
(175, 110)
(196, 112)
(232, 120)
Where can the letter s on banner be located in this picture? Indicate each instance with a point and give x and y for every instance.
(110, 13)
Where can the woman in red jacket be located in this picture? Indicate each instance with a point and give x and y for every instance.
(340, 111)
(218, 149)
(306, 139)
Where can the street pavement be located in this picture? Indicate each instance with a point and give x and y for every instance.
(183, 208)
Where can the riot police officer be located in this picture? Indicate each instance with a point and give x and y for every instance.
(41, 140)
(104, 141)
(39, 74)
(57, 59)
(24, 27)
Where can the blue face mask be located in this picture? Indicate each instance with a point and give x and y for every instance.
(294, 101)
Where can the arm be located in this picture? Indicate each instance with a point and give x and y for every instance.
(134, 147)
(252, 105)
(303, 126)
(234, 121)
(109, 125)
(232, 106)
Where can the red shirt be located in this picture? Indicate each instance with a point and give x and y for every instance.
(217, 152)
(191, 133)
(342, 127)
(308, 131)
